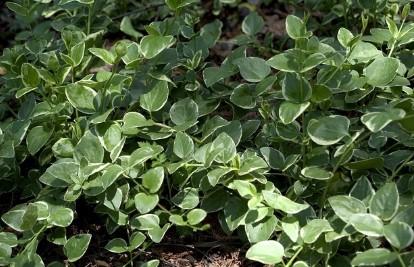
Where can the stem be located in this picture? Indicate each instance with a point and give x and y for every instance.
(88, 29)
(400, 259)
(394, 173)
(291, 261)
(394, 42)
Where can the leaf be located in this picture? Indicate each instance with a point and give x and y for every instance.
(155, 99)
(153, 178)
(117, 245)
(346, 206)
(152, 45)
(252, 24)
(317, 173)
(90, 148)
(76, 53)
(261, 231)
(183, 145)
(184, 111)
(252, 69)
(177, 4)
(81, 97)
(196, 216)
(344, 37)
(399, 234)
(37, 138)
(381, 71)
(368, 224)
(127, 28)
(295, 27)
(243, 96)
(76, 246)
(374, 257)
(157, 234)
(187, 198)
(60, 216)
(364, 52)
(251, 163)
(376, 121)
(63, 148)
(282, 203)
(235, 212)
(266, 252)
(295, 88)
(105, 55)
(273, 157)
(30, 75)
(385, 202)
(226, 148)
(313, 229)
(288, 111)
(328, 130)
(145, 203)
(136, 240)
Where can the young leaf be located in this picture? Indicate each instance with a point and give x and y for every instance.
(30, 75)
(317, 173)
(152, 179)
(376, 121)
(76, 53)
(196, 216)
(295, 27)
(282, 203)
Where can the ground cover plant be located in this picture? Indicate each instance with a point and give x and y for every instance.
(170, 119)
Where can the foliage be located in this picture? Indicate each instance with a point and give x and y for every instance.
(312, 168)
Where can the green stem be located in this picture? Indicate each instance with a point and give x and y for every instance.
(394, 42)
(292, 260)
(400, 259)
(394, 173)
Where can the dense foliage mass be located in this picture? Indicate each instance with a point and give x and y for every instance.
(300, 145)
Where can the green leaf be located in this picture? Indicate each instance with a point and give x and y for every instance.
(399, 234)
(362, 190)
(261, 231)
(60, 174)
(374, 257)
(76, 53)
(30, 75)
(152, 179)
(243, 96)
(136, 240)
(328, 130)
(376, 121)
(145, 203)
(385, 202)
(117, 245)
(127, 28)
(345, 206)
(81, 97)
(250, 163)
(381, 71)
(295, 27)
(235, 212)
(252, 24)
(105, 55)
(37, 138)
(184, 111)
(177, 4)
(368, 224)
(279, 202)
(155, 99)
(90, 148)
(266, 252)
(295, 88)
(63, 148)
(152, 45)
(183, 145)
(344, 37)
(253, 69)
(157, 234)
(226, 148)
(76, 246)
(363, 52)
(313, 229)
(196, 216)
(187, 198)
(273, 157)
(60, 216)
(288, 111)
(317, 173)
(151, 263)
